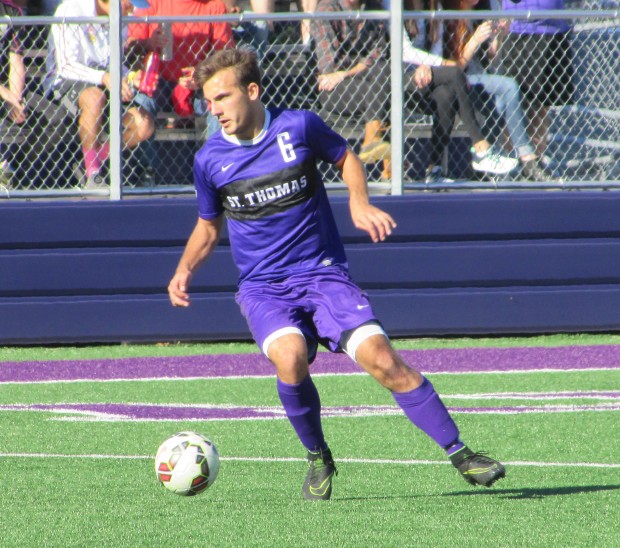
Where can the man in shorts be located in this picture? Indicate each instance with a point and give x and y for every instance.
(537, 54)
(78, 77)
(260, 172)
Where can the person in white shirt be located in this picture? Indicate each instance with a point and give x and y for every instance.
(438, 87)
(78, 76)
(459, 43)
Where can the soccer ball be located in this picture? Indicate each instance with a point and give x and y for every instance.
(187, 463)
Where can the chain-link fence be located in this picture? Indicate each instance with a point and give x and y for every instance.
(567, 85)
(62, 148)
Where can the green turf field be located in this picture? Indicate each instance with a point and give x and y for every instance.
(76, 474)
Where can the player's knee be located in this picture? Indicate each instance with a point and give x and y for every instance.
(380, 361)
(291, 368)
(388, 368)
(386, 363)
(290, 357)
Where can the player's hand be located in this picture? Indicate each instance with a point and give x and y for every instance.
(378, 223)
(178, 287)
(423, 76)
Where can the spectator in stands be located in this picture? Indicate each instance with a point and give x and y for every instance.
(254, 34)
(12, 81)
(438, 87)
(537, 54)
(463, 43)
(192, 42)
(310, 7)
(354, 74)
(79, 78)
(442, 90)
(269, 6)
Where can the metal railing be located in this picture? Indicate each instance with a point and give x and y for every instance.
(46, 159)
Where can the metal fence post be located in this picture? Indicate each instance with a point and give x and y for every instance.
(396, 112)
(116, 128)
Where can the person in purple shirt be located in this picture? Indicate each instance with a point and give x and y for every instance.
(537, 54)
(260, 172)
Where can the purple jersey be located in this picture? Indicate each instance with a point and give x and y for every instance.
(280, 222)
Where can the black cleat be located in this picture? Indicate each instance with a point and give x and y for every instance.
(477, 468)
(321, 470)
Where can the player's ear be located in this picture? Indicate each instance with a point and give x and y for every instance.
(253, 91)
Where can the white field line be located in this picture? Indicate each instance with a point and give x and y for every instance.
(545, 395)
(357, 374)
(406, 462)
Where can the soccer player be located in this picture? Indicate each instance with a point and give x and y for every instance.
(260, 172)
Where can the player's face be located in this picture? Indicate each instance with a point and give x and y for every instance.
(233, 105)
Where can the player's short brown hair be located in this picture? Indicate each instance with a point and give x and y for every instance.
(243, 61)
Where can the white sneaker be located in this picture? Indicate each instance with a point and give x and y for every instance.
(95, 182)
(435, 175)
(492, 161)
(6, 175)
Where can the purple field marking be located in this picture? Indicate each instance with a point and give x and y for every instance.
(228, 365)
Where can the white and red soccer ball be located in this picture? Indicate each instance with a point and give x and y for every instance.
(187, 463)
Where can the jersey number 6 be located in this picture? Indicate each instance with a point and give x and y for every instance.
(286, 148)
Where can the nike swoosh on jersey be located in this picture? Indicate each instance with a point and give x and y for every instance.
(224, 168)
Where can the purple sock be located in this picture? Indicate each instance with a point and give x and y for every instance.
(303, 408)
(424, 409)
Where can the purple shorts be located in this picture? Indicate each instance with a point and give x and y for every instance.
(325, 305)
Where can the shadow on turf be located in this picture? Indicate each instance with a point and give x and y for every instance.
(537, 493)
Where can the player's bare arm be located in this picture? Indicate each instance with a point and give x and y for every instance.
(378, 223)
(199, 246)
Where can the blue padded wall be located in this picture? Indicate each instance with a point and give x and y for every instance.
(493, 263)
